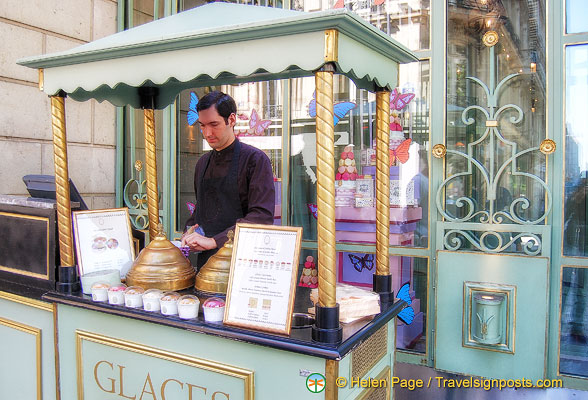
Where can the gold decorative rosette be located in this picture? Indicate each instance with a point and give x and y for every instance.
(547, 146)
(490, 38)
(138, 165)
(439, 150)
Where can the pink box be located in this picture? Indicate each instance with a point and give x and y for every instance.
(368, 214)
(396, 239)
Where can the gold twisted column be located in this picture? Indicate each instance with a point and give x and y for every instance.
(62, 181)
(382, 182)
(151, 169)
(325, 170)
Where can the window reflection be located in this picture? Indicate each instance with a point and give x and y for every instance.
(576, 16)
(519, 51)
(574, 322)
(576, 152)
(355, 159)
(406, 21)
(259, 123)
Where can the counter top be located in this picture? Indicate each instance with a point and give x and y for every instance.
(299, 340)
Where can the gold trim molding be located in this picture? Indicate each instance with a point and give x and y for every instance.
(44, 276)
(36, 332)
(246, 375)
(331, 45)
(26, 301)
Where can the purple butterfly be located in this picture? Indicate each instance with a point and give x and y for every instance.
(361, 263)
(191, 207)
(313, 209)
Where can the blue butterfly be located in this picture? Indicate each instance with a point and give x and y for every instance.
(361, 263)
(407, 314)
(192, 113)
(339, 109)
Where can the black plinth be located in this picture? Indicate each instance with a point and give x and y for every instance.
(327, 328)
(383, 286)
(68, 280)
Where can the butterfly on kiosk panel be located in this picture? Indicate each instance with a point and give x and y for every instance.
(400, 100)
(192, 112)
(313, 210)
(361, 263)
(400, 153)
(339, 109)
(407, 314)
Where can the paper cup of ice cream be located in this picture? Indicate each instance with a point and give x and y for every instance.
(188, 307)
(151, 300)
(214, 309)
(169, 303)
(134, 297)
(100, 291)
(116, 294)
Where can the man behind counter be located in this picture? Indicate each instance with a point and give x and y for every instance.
(233, 182)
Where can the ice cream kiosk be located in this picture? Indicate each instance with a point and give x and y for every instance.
(89, 347)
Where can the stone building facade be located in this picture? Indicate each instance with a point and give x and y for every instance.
(35, 27)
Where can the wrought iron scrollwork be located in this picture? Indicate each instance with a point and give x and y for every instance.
(490, 171)
(135, 198)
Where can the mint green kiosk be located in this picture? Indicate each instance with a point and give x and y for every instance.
(89, 350)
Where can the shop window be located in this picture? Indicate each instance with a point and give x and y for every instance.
(573, 350)
(576, 152)
(576, 16)
(406, 21)
(259, 123)
(355, 159)
(486, 43)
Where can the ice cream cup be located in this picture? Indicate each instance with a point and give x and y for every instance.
(214, 309)
(100, 291)
(116, 294)
(169, 303)
(188, 307)
(134, 296)
(151, 300)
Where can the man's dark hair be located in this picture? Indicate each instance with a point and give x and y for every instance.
(224, 104)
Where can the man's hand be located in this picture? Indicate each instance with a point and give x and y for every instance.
(197, 242)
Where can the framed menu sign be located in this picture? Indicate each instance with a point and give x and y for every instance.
(103, 240)
(262, 281)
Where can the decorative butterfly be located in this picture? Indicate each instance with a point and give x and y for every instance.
(191, 207)
(361, 263)
(395, 124)
(192, 113)
(313, 209)
(339, 109)
(407, 314)
(257, 124)
(339, 4)
(378, 2)
(400, 100)
(400, 153)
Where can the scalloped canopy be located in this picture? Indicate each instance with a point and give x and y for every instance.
(220, 43)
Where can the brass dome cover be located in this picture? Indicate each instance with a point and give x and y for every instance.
(213, 277)
(161, 265)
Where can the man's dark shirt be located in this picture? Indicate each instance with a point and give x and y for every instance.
(255, 181)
